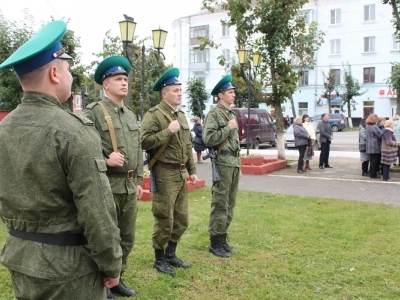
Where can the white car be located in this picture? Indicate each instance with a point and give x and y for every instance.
(289, 137)
(191, 124)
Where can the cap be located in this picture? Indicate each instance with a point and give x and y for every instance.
(111, 66)
(40, 49)
(170, 77)
(224, 84)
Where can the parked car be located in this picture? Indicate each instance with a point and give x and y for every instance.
(338, 121)
(262, 127)
(289, 137)
(191, 124)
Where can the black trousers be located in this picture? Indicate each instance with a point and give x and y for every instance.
(385, 171)
(375, 161)
(364, 166)
(324, 156)
(302, 150)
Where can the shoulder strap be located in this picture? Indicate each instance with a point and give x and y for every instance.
(162, 148)
(221, 146)
(110, 127)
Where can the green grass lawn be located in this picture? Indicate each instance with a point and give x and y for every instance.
(290, 248)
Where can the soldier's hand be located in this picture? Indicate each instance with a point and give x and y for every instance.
(232, 124)
(115, 159)
(174, 126)
(110, 282)
(139, 191)
(193, 179)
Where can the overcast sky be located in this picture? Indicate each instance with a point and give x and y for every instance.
(92, 19)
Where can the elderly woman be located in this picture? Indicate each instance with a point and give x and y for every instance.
(311, 132)
(389, 149)
(301, 138)
(198, 143)
(396, 131)
(362, 145)
(373, 145)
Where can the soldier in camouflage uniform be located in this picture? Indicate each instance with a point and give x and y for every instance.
(55, 198)
(124, 166)
(162, 124)
(220, 128)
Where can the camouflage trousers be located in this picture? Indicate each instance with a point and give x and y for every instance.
(223, 200)
(126, 206)
(86, 287)
(169, 207)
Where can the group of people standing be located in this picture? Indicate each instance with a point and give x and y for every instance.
(304, 135)
(69, 184)
(379, 141)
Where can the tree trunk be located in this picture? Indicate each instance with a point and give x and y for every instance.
(349, 120)
(278, 114)
(293, 108)
(329, 105)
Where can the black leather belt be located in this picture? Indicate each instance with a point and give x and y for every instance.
(128, 175)
(161, 164)
(57, 239)
(230, 153)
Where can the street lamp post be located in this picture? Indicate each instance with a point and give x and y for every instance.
(243, 55)
(127, 28)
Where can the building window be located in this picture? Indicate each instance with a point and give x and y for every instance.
(225, 30)
(199, 56)
(303, 108)
(369, 12)
(335, 16)
(369, 75)
(369, 44)
(336, 76)
(368, 108)
(198, 31)
(335, 47)
(226, 53)
(307, 14)
(396, 43)
(303, 78)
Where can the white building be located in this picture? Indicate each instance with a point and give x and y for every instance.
(359, 32)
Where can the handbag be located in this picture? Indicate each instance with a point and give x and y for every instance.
(310, 151)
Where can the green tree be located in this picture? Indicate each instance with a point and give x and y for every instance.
(197, 96)
(277, 31)
(350, 89)
(394, 83)
(396, 17)
(330, 86)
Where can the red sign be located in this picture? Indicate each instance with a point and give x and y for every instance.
(387, 93)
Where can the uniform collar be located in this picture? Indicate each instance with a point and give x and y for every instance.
(30, 97)
(166, 106)
(224, 107)
(113, 105)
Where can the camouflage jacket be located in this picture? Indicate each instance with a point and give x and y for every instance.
(216, 131)
(155, 133)
(52, 180)
(128, 142)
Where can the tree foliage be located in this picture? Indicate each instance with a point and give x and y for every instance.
(350, 89)
(12, 35)
(197, 96)
(287, 45)
(330, 86)
(394, 83)
(396, 17)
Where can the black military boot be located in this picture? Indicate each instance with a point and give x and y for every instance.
(110, 295)
(216, 247)
(161, 264)
(171, 258)
(226, 246)
(122, 289)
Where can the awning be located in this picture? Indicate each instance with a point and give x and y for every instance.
(337, 100)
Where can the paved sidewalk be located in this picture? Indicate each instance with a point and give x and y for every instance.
(343, 181)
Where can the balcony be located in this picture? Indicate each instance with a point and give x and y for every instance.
(199, 67)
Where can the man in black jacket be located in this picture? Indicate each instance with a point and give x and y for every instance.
(326, 137)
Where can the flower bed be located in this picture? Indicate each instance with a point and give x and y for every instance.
(147, 195)
(267, 165)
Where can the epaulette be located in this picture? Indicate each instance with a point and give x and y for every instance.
(91, 105)
(181, 111)
(128, 108)
(83, 119)
(153, 109)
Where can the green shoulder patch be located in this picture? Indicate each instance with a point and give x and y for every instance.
(83, 119)
(91, 105)
(153, 109)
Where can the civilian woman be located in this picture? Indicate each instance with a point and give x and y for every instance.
(301, 138)
(373, 145)
(198, 144)
(311, 132)
(362, 145)
(389, 149)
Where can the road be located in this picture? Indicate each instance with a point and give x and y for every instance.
(342, 141)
